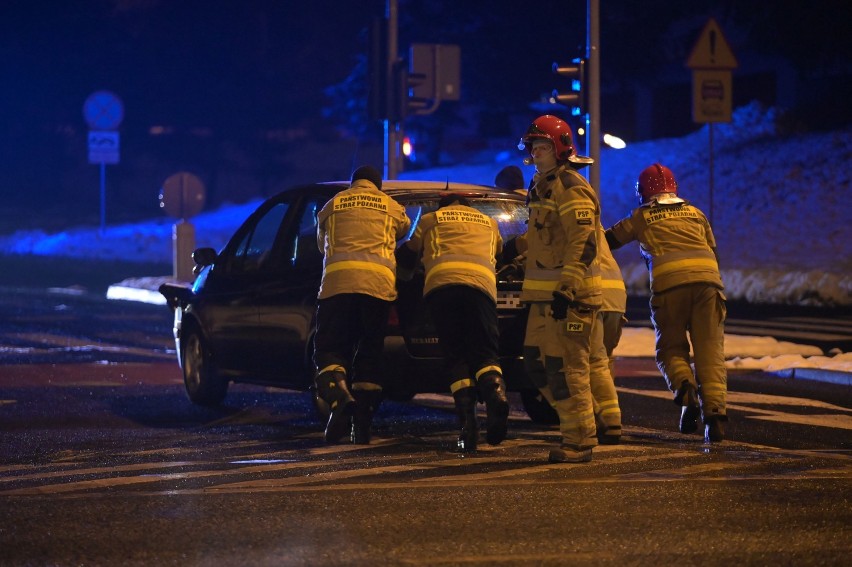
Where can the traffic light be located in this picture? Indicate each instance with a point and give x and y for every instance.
(434, 75)
(395, 90)
(576, 99)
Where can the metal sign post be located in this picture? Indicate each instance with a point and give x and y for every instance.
(711, 62)
(103, 112)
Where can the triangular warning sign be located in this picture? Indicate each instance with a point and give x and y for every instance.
(711, 51)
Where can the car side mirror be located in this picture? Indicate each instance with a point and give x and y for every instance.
(204, 256)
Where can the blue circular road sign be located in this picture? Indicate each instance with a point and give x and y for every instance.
(103, 110)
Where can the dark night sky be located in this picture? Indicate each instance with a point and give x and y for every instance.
(240, 67)
(206, 61)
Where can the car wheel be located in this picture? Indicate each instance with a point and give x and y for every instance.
(539, 409)
(203, 384)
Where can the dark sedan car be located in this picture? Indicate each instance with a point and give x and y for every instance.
(249, 315)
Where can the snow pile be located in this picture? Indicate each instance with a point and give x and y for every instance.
(781, 203)
(746, 353)
(781, 209)
(148, 241)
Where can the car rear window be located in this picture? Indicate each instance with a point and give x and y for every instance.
(511, 216)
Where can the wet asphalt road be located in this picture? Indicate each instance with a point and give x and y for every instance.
(109, 464)
(103, 461)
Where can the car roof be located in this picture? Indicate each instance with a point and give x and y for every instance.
(427, 189)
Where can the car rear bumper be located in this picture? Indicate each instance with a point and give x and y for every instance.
(426, 374)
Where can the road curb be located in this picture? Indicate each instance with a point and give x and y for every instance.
(815, 374)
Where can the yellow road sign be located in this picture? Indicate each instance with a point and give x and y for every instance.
(711, 51)
(711, 95)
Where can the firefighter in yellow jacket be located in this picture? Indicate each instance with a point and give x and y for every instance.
(458, 245)
(357, 231)
(606, 336)
(678, 246)
(562, 283)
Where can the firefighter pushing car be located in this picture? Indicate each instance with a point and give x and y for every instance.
(458, 245)
(357, 231)
(679, 248)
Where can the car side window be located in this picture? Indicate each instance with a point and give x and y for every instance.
(305, 250)
(257, 244)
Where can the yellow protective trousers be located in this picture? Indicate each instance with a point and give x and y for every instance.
(699, 310)
(556, 357)
(613, 326)
(604, 396)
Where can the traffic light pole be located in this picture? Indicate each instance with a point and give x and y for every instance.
(392, 133)
(593, 117)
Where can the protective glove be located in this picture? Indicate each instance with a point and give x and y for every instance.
(562, 300)
(513, 271)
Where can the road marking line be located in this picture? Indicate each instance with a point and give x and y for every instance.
(157, 477)
(100, 470)
(833, 421)
(737, 399)
(745, 397)
(476, 477)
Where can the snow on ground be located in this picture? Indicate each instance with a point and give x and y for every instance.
(782, 204)
(747, 353)
(781, 214)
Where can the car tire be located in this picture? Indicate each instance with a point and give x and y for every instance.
(204, 386)
(539, 409)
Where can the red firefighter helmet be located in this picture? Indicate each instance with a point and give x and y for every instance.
(549, 127)
(653, 180)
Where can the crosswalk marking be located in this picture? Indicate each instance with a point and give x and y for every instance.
(304, 463)
(519, 461)
(747, 403)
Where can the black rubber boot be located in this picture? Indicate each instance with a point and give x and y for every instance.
(465, 399)
(689, 418)
(366, 403)
(492, 391)
(331, 387)
(689, 412)
(609, 435)
(714, 429)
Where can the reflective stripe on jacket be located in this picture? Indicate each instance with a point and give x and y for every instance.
(562, 249)
(357, 231)
(676, 242)
(459, 246)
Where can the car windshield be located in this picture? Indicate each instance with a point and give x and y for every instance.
(511, 216)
